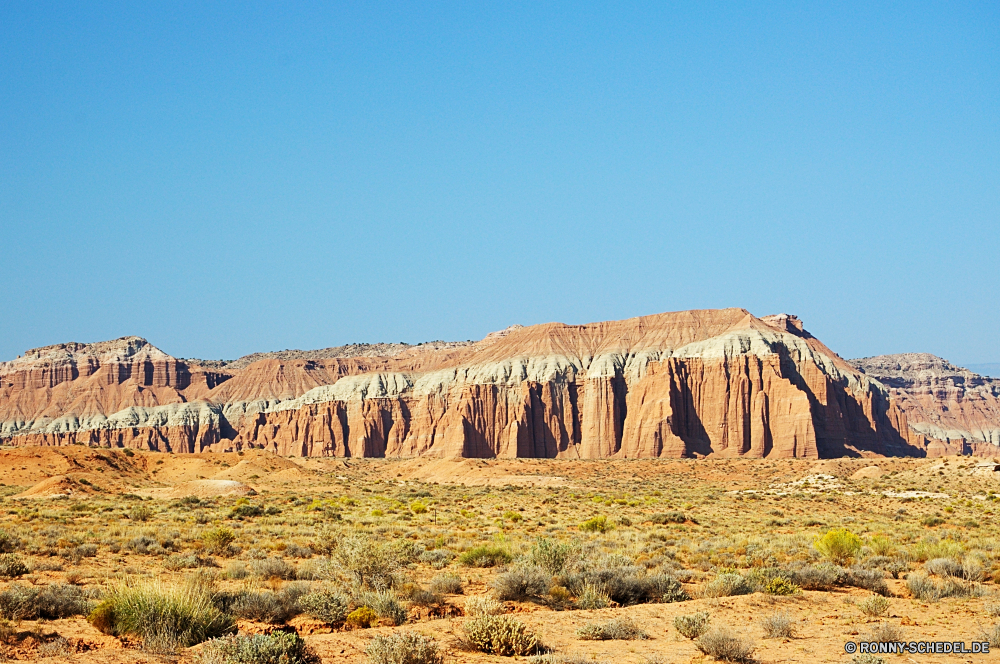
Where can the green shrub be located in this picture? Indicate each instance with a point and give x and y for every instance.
(141, 513)
(552, 556)
(219, 541)
(597, 524)
(11, 566)
(882, 546)
(500, 635)
(618, 629)
(273, 648)
(406, 648)
(839, 545)
(327, 605)
(418, 507)
(486, 555)
(362, 617)
(779, 585)
(692, 625)
(727, 645)
(164, 617)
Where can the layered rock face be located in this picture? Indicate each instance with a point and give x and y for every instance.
(680, 384)
(949, 409)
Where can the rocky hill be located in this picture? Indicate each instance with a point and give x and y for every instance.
(692, 383)
(950, 407)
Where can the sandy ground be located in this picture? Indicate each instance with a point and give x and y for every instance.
(823, 621)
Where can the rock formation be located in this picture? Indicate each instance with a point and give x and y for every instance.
(949, 409)
(690, 383)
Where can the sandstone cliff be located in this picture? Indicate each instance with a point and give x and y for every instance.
(690, 383)
(949, 409)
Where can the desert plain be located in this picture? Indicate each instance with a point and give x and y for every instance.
(571, 549)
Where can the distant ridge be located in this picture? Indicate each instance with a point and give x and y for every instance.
(680, 384)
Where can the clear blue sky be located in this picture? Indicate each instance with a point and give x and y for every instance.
(225, 179)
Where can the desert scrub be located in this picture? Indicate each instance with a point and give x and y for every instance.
(777, 626)
(219, 541)
(669, 517)
(874, 606)
(367, 563)
(405, 648)
(271, 568)
(8, 542)
(727, 584)
(438, 558)
(593, 596)
(867, 658)
(446, 584)
(553, 557)
(553, 658)
(326, 604)
(141, 513)
(384, 603)
(20, 602)
(521, 583)
(923, 588)
(486, 555)
(597, 524)
(273, 648)
(164, 617)
(481, 605)
(259, 605)
(692, 625)
(990, 635)
(12, 566)
(623, 581)
(618, 629)
(725, 644)
(839, 545)
(500, 635)
(780, 585)
(362, 618)
(884, 633)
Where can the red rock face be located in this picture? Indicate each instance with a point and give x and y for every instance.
(673, 385)
(950, 410)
